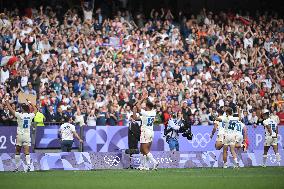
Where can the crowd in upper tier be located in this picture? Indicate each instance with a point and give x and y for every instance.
(94, 67)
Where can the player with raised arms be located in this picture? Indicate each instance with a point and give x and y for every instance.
(271, 134)
(147, 131)
(219, 125)
(229, 137)
(23, 139)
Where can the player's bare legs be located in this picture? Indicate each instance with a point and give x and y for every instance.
(144, 151)
(218, 145)
(27, 155)
(275, 149)
(239, 150)
(18, 156)
(233, 152)
(150, 157)
(265, 151)
(225, 154)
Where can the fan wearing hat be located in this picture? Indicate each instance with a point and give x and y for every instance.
(271, 134)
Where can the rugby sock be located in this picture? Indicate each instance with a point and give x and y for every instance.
(17, 160)
(236, 161)
(28, 159)
(145, 161)
(151, 158)
(142, 160)
(264, 159)
(278, 158)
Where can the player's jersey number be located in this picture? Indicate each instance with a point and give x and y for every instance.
(273, 126)
(238, 127)
(26, 123)
(232, 125)
(150, 121)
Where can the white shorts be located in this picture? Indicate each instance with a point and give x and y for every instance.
(239, 139)
(220, 138)
(23, 139)
(270, 141)
(229, 139)
(147, 136)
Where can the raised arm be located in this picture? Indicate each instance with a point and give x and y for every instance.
(139, 102)
(214, 129)
(11, 110)
(33, 106)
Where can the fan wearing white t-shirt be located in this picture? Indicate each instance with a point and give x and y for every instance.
(67, 132)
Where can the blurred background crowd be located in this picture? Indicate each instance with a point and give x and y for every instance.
(93, 61)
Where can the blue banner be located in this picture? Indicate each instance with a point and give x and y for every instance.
(113, 139)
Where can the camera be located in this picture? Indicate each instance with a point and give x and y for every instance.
(186, 132)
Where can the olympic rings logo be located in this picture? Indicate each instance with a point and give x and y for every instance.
(112, 160)
(200, 140)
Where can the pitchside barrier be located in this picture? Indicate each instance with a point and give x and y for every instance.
(104, 148)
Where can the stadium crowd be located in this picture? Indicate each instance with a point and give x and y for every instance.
(94, 67)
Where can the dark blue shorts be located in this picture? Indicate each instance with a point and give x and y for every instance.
(66, 145)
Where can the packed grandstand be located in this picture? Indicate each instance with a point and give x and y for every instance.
(94, 66)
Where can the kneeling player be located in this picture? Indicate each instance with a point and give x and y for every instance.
(24, 120)
(271, 134)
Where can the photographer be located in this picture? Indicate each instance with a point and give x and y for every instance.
(174, 125)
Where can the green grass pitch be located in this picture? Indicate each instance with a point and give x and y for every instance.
(244, 178)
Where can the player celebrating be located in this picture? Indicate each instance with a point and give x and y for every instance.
(66, 132)
(229, 137)
(221, 131)
(241, 134)
(271, 134)
(24, 121)
(147, 133)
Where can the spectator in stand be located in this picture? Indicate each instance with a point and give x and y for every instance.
(253, 119)
(245, 118)
(94, 61)
(102, 117)
(280, 114)
(91, 119)
(39, 118)
(204, 117)
(79, 118)
(51, 115)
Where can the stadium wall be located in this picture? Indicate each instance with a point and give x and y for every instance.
(120, 160)
(114, 139)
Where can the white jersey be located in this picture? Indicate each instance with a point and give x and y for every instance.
(66, 130)
(147, 118)
(272, 124)
(24, 121)
(239, 128)
(221, 125)
(230, 123)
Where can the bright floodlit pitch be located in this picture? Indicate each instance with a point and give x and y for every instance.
(244, 178)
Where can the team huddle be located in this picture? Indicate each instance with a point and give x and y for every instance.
(232, 133)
